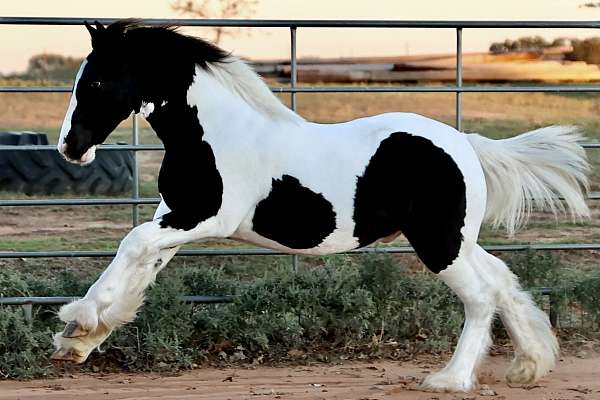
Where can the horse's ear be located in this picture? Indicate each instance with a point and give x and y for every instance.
(90, 29)
(99, 26)
(95, 32)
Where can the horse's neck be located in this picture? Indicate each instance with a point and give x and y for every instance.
(206, 105)
(221, 117)
(219, 109)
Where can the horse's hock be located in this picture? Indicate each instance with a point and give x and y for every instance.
(43, 171)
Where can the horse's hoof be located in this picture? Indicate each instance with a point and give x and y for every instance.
(442, 381)
(522, 371)
(73, 330)
(67, 355)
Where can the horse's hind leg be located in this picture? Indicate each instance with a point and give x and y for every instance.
(479, 297)
(483, 282)
(536, 347)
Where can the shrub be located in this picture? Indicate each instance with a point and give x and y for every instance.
(160, 337)
(13, 284)
(587, 294)
(322, 306)
(349, 305)
(23, 346)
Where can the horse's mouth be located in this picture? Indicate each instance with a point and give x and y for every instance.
(86, 158)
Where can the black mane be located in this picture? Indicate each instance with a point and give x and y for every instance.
(160, 61)
(130, 37)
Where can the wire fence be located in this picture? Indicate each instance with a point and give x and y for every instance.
(293, 25)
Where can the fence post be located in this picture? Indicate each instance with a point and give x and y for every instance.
(28, 312)
(293, 82)
(553, 312)
(459, 78)
(293, 66)
(135, 193)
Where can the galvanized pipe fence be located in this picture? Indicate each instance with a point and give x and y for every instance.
(293, 25)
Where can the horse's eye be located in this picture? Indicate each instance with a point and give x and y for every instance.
(96, 84)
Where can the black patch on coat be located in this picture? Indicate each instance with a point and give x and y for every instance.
(293, 215)
(189, 181)
(411, 185)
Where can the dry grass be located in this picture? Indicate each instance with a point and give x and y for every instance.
(529, 108)
(46, 110)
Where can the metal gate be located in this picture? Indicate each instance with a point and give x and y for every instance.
(293, 25)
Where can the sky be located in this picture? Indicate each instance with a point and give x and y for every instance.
(19, 43)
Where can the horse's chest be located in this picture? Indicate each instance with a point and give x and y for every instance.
(189, 181)
(190, 185)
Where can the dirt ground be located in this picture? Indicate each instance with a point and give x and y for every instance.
(573, 379)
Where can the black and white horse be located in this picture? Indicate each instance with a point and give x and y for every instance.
(239, 164)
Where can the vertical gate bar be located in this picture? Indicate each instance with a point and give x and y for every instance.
(136, 183)
(553, 312)
(293, 66)
(458, 78)
(293, 82)
(28, 312)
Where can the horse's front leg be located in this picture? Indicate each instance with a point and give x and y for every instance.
(115, 297)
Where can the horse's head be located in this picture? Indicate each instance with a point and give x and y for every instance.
(130, 65)
(104, 94)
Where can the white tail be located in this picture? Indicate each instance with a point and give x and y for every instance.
(533, 170)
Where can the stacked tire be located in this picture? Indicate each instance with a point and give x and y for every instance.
(44, 171)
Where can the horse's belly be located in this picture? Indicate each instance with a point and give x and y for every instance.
(337, 242)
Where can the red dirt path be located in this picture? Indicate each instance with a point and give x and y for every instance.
(574, 379)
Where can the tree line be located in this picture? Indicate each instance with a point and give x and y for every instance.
(56, 67)
(587, 50)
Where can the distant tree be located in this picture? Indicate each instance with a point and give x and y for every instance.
(592, 4)
(498, 48)
(52, 66)
(587, 50)
(527, 43)
(559, 42)
(219, 9)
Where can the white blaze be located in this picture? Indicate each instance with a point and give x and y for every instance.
(66, 126)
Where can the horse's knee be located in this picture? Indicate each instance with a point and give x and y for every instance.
(477, 293)
(139, 241)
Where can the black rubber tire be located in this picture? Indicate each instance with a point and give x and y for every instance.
(22, 138)
(46, 172)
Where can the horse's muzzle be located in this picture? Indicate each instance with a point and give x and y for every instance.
(85, 159)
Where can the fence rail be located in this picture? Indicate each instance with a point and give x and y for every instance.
(369, 89)
(116, 201)
(309, 23)
(266, 252)
(442, 89)
(58, 300)
(293, 25)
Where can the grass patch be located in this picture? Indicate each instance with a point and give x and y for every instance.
(58, 243)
